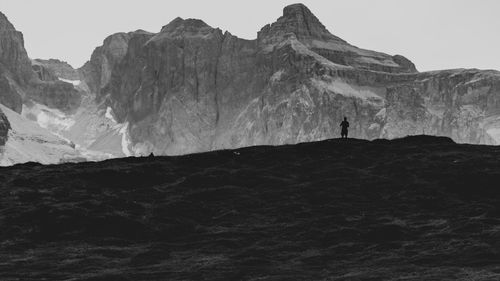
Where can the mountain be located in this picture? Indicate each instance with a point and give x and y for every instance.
(91, 127)
(419, 208)
(49, 115)
(194, 88)
(23, 86)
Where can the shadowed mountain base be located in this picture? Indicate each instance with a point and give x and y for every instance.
(419, 208)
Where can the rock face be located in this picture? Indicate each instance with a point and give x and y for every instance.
(97, 72)
(57, 68)
(44, 73)
(4, 128)
(19, 83)
(90, 126)
(193, 88)
(15, 66)
(300, 24)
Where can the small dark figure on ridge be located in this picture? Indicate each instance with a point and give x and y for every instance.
(345, 126)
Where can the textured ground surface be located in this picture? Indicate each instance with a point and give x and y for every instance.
(414, 209)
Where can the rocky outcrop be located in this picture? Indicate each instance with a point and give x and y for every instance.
(13, 56)
(193, 88)
(56, 94)
(44, 73)
(58, 69)
(4, 128)
(97, 72)
(299, 23)
(15, 66)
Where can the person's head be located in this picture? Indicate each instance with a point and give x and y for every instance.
(345, 118)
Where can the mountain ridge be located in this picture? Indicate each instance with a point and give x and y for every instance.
(193, 88)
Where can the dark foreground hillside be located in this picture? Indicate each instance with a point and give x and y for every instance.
(420, 208)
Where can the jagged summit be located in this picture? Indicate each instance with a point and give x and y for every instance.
(299, 20)
(182, 25)
(298, 23)
(5, 23)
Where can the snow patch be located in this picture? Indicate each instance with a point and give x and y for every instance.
(109, 114)
(381, 115)
(277, 75)
(74, 82)
(374, 127)
(126, 142)
(92, 155)
(494, 133)
(48, 118)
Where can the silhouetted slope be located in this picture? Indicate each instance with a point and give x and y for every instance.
(419, 208)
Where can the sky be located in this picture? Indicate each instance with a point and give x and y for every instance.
(434, 34)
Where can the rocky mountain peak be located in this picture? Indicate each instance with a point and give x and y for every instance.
(179, 25)
(298, 10)
(5, 23)
(297, 19)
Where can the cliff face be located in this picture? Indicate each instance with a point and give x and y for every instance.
(15, 66)
(4, 129)
(58, 69)
(97, 72)
(19, 83)
(193, 88)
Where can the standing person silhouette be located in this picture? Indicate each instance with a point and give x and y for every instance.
(345, 126)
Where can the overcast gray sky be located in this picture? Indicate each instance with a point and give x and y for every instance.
(434, 34)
